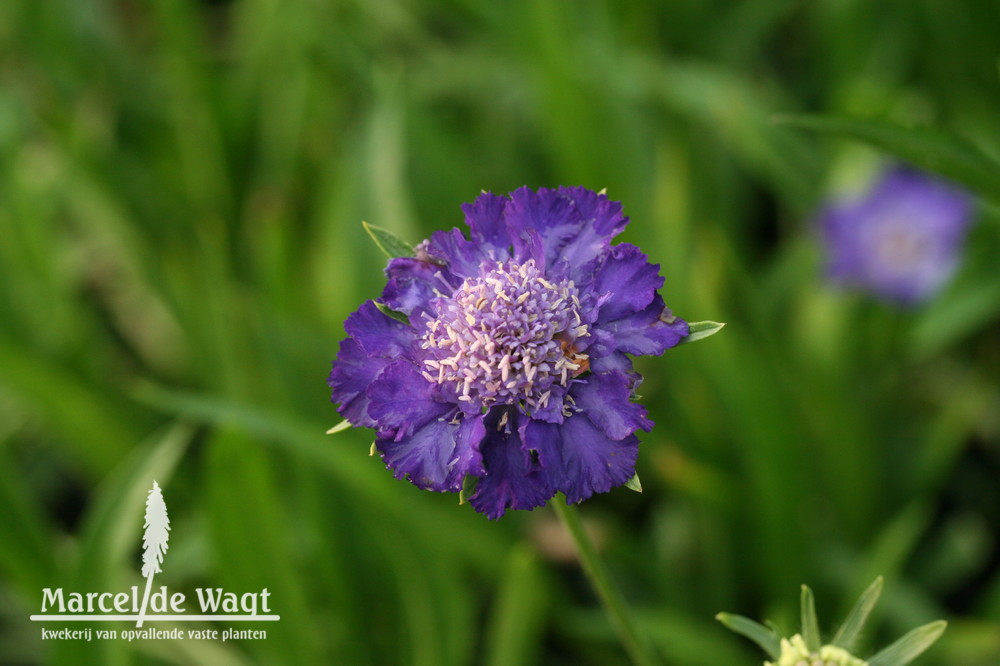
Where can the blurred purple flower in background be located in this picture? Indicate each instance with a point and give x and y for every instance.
(902, 240)
(510, 363)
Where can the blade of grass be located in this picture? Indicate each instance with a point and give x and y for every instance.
(810, 625)
(26, 549)
(252, 543)
(766, 638)
(935, 150)
(910, 646)
(847, 635)
(518, 615)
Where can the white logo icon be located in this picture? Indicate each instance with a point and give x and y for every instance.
(154, 542)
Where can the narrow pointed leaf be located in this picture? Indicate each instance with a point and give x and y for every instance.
(398, 316)
(634, 484)
(388, 242)
(910, 646)
(766, 638)
(848, 633)
(340, 427)
(810, 625)
(699, 330)
(941, 152)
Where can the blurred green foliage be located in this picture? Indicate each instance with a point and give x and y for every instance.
(181, 191)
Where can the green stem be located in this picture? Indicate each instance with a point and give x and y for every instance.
(614, 605)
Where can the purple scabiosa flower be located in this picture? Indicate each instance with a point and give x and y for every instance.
(507, 358)
(902, 240)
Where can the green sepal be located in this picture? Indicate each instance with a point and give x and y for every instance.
(699, 330)
(634, 484)
(910, 646)
(388, 242)
(766, 638)
(810, 624)
(468, 487)
(847, 635)
(340, 427)
(387, 311)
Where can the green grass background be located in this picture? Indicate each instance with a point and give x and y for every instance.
(181, 191)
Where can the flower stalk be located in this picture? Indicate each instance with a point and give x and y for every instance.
(635, 643)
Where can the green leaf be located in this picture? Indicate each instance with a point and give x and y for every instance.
(634, 484)
(388, 242)
(699, 330)
(766, 638)
(810, 625)
(398, 316)
(518, 614)
(941, 152)
(340, 427)
(249, 536)
(26, 550)
(851, 628)
(910, 646)
(468, 487)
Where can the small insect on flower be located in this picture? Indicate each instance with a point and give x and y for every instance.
(902, 240)
(504, 356)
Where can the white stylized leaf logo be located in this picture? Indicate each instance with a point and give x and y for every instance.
(154, 541)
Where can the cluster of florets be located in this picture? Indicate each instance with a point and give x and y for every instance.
(506, 337)
(795, 653)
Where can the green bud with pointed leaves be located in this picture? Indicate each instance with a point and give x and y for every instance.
(807, 649)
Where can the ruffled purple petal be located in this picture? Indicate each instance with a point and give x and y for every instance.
(615, 361)
(467, 459)
(511, 481)
(552, 411)
(529, 245)
(401, 399)
(935, 202)
(485, 217)
(543, 445)
(411, 285)
(379, 334)
(462, 256)
(649, 332)
(375, 340)
(606, 399)
(626, 282)
(438, 455)
(352, 372)
(593, 462)
(574, 224)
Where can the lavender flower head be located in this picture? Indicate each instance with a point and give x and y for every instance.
(510, 360)
(902, 240)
